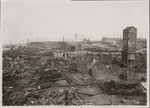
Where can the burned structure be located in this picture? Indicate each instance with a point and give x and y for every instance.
(129, 46)
(49, 45)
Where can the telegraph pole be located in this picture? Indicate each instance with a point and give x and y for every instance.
(63, 39)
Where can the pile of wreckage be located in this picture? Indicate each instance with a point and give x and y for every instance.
(48, 85)
(51, 71)
(52, 86)
(50, 82)
(16, 62)
(121, 88)
(81, 64)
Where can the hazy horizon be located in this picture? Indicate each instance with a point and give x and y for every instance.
(50, 21)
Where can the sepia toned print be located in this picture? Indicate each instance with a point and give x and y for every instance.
(75, 53)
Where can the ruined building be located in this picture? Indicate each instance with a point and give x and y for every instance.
(129, 46)
(49, 45)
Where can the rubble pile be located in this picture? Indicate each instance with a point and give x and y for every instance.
(141, 63)
(14, 69)
(49, 53)
(81, 64)
(67, 96)
(120, 88)
(17, 52)
(51, 71)
(93, 49)
(120, 72)
(116, 60)
(49, 75)
(16, 63)
(57, 63)
(107, 58)
(89, 57)
(33, 79)
(14, 97)
(14, 66)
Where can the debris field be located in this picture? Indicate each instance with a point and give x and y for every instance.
(32, 78)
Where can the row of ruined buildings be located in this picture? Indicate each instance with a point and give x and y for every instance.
(129, 45)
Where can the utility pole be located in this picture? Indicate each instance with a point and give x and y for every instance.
(27, 40)
(117, 35)
(110, 58)
(38, 39)
(63, 39)
(10, 42)
(75, 36)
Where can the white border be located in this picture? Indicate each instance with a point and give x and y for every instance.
(41, 1)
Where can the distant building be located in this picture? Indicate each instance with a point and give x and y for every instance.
(87, 41)
(129, 46)
(49, 45)
(111, 40)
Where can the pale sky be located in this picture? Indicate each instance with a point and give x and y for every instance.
(50, 20)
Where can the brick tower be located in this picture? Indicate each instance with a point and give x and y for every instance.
(129, 46)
